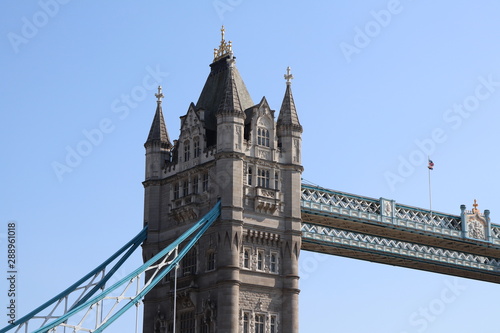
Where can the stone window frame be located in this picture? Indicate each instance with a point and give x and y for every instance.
(259, 322)
(187, 321)
(273, 323)
(263, 137)
(249, 175)
(247, 260)
(196, 147)
(263, 177)
(176, 191)
(195, 184)
(189, 264)
(187, 150)
(211, 260)
(275, 263)
(261, 260)
(245, 323)
(185, 187)
(205, 182)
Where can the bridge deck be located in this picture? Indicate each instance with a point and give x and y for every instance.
(386, 232)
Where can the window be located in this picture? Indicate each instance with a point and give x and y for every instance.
(185, 188)
(260, 260)
(210, 260)
(274, 324)
(187, 322)
(189, 263)
(259, 323)
(187, 150)
(246, 322)
(263, 137)
(204, 326)
(205, 182)
(246, 258)
(249, 176)
(276, 180)
(263, 178)
(196, 147)
(195, 185)
(176, 191)
(273, 263)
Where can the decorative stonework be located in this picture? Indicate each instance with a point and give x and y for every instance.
(476, 224)
(261, 237)
(476, 228)
(184, 300)
(387, 207)
(185, 213)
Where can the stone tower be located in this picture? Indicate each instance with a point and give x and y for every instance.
(242, 276)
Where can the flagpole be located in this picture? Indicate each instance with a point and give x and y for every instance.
(430, 189)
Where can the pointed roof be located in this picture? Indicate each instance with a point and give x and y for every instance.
(230, 101)
(288, 113)
(223, 87)
(158, 131)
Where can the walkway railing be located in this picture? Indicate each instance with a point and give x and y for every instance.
(320, 201)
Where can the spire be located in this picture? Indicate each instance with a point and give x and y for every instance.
(288, 113)
(230, 102)
(224, 86)
(158, 131)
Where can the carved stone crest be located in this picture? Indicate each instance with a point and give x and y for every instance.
(476, 223)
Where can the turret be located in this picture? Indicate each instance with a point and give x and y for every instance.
(158, 143)
(289, 130)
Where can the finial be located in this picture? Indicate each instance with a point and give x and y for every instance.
(288, 76)
(224, 48)
(159, 95)
(475, 210)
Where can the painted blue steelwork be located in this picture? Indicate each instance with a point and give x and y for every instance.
(337, 223)
(128, 248)
(399, 249)
(162, 269)
(323, 202)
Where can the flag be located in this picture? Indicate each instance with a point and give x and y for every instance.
(431, 165)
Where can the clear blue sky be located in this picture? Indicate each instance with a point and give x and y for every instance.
(379, 85)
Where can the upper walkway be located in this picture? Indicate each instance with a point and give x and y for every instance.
(381, 230)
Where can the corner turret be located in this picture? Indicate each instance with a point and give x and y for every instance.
(158, 143)
(289, 130)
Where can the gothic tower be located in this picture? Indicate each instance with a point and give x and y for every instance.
(242, 275)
